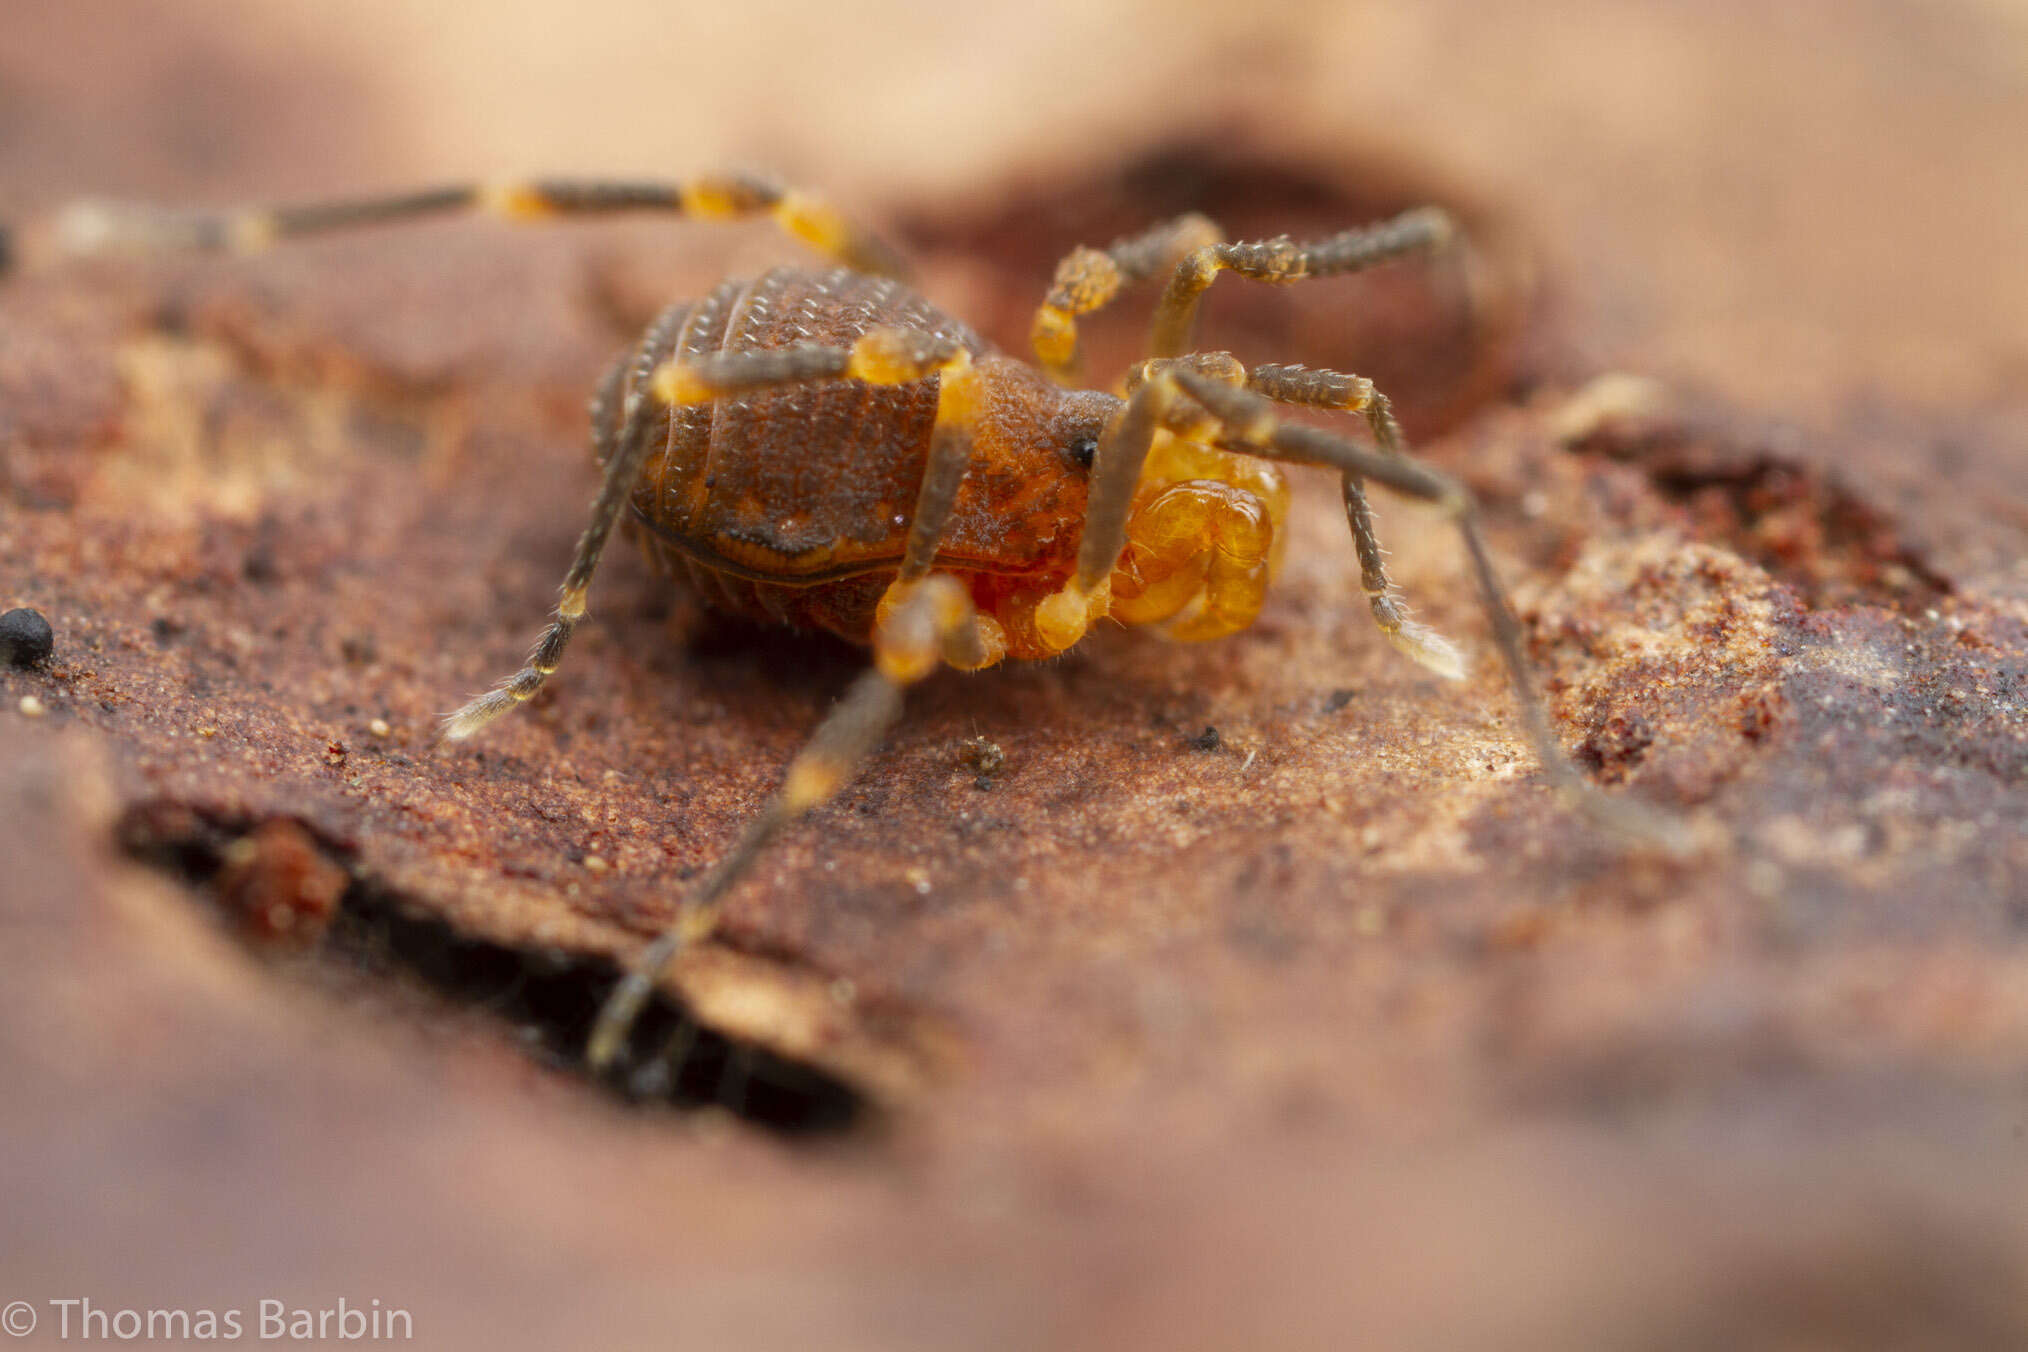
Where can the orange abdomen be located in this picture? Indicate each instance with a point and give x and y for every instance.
(794, 505)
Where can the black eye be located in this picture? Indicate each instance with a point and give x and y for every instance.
(1083, 451)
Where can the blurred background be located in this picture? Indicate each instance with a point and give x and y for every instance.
(1812, 212)
(1792, 203)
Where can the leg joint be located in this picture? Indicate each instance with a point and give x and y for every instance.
(1266, 260)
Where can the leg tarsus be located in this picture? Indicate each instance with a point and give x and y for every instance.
(614, 432)
(1283, 260)
(1251, 419)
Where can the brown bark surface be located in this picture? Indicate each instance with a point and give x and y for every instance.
(1333, 1027)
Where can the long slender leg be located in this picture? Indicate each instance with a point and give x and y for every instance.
(909, 642)
(622, 447)
(925, 618)
(631, 373)
(1283, 260)
(1181, 395)
(605, 410)
(978, 641)
(1249, 419)
(1062, 617)
(1340, 392)
(880, 357)
(1088, 279)
(97, 227)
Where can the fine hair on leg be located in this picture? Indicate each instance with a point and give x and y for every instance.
(1424, 229)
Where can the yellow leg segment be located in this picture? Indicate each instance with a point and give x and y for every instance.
(1088, 279)
(1283, 260)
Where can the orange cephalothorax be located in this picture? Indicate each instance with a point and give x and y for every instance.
(1020, 510)
(1204, 540)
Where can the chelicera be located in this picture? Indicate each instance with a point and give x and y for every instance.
(829, 450)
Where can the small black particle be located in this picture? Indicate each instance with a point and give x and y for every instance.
(259, 566)
(1083, 452)
(1206, 740)
(1338, 699)
(26, 639)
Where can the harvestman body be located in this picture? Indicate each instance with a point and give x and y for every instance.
(829, 450)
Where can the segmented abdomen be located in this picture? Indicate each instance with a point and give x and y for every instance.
(802, 483)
